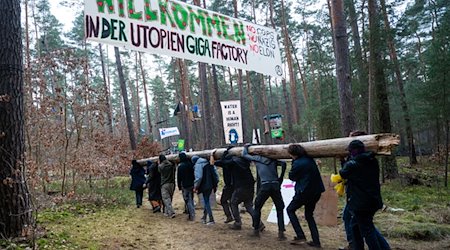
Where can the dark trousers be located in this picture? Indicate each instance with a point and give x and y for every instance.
(225, 199)
(363, 229)
(242, 194)
(271, 190)
(139, 195)
(310, 204)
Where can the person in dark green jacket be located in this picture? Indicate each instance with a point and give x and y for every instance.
(167, 170)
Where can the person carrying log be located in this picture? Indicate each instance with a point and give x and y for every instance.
(308, 189)
(243, 183)
(206, 180)
(167, 170)
(154, 186)
(226, 163)
(362, 173)
(137, 173)
(269, 184)
(185, 179)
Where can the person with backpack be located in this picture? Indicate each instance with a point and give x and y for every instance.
(205, 182)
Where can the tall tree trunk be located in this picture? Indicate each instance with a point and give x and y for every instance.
(399, 80)
(218, 110)
(292, 82)
(348, 122)
(126, 103)
(106, 92)
(205, 98)
(378, 80)
(15, 202)
(302, 76)
(361, 64)
(240, 83)
(205, 105)
(147, 107)
(137, 103)
(185, 96)
(251, 105)
(283, 82)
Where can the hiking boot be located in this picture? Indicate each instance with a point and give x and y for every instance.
(255, 233)
(281, 236)
(157, 209)
(313, 244)
(172, 216)
(235, 226)
(210, 223)
(261, 227)
(203, 220)
(298, 241)
(348, 247)
(228, 220)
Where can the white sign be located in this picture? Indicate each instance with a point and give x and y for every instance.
(256, 139)
(181, 30)
(167, 132)
(287, 192)
(232, 121)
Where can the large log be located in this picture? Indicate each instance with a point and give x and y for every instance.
(381, 144)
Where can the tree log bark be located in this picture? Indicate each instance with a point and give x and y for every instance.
(381, 144)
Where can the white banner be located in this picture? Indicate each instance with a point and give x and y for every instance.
(182, 30)
(287, 192)
(232, 121)
(167, 132)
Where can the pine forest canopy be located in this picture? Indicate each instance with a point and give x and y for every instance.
(184, 31)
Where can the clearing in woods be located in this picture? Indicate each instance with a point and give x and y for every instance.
(128, 227)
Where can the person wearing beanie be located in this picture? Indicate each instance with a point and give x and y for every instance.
(167, 170)
(185, 181)
(362, 173)
(137, 173)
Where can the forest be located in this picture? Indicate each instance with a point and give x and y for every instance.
(74, 113)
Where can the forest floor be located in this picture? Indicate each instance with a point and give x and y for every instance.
(138, 228)
(418, 217)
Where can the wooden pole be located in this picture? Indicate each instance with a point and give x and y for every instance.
(381, 144)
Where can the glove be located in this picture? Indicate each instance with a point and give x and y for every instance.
(340, 188)
(336, 178)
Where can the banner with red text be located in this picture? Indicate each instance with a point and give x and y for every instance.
(181, 30)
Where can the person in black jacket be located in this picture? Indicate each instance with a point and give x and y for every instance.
(269, 186)
(243, 184)
(185, 179)
(308, 189)
(228, 188)
(363, 196)
(154, 186)
(137, 173)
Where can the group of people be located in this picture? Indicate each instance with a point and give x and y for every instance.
(199, 175)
